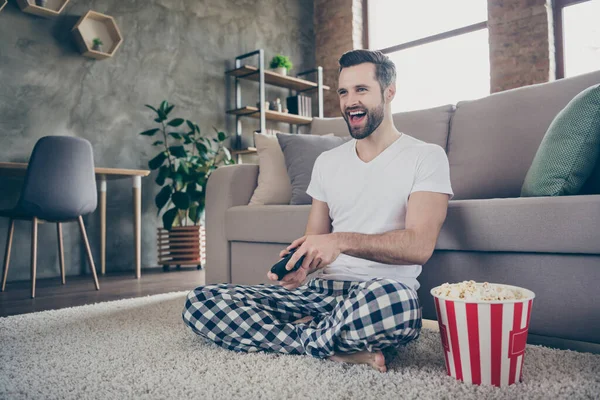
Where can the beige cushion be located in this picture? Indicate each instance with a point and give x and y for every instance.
(557, 224)
(522, 225)
(274, 185)
(267, 224)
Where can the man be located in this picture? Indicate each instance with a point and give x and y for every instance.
(379, 202)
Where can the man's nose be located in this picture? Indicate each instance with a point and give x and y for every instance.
(351, 101)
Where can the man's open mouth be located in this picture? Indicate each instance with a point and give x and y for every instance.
(356, 117)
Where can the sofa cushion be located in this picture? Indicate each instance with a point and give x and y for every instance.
(269, 224)
(274, 185)
(493, 140)
(565, 224)
(569, 150)
(526, 224)
(430, 125)
(300, 153)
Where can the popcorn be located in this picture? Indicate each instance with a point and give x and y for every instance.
(471, 290)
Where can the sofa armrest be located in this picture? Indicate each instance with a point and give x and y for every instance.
(227, 186)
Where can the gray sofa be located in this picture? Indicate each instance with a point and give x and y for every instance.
(550, 245)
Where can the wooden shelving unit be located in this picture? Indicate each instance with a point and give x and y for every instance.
(263, 77)
(97, 25)
(2, 4)
(289, 82)
(288, 118)
(52, 9)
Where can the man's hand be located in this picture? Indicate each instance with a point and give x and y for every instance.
(319, 251)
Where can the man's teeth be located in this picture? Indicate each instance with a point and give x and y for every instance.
(353, 113)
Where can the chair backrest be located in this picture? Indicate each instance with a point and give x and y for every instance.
(60, 182)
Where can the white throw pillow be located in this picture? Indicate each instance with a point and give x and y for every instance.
(274, 185)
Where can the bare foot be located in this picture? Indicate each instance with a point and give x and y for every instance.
(376, 359)
(303, 320)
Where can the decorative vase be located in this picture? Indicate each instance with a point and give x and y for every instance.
(41, 3)
(182, 245)
(97, 47)
(280, 71)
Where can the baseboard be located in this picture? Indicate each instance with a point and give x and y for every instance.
(547, 341)
(564, 344)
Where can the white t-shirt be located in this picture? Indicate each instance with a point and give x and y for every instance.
(372, 198)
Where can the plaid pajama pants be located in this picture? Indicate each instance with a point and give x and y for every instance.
(347, 316)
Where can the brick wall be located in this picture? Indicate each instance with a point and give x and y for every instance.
(521, 42)
(338, 28)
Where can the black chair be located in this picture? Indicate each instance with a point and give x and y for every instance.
(59, 186)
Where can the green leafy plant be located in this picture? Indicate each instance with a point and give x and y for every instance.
(281, 61)
(97, 42)
(184, 164)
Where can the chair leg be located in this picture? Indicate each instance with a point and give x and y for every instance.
(11, 229)
(89, 251)
(61, 252)
(34, 228)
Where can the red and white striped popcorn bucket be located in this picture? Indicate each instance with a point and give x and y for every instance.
(484, 341)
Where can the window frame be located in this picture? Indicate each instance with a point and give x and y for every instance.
(559, 38)
(424, 40)
(421, 41)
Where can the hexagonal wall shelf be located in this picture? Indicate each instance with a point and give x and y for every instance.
(96, 25)
(2, 4)
(51, 8)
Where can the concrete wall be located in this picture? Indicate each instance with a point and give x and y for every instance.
(173, 49)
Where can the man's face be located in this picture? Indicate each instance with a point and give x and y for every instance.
(361, 100)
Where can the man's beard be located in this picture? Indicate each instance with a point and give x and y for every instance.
(373, 116)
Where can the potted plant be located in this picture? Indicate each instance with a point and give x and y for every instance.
(41, 3)
(281, 64)
(184, 164)
(97, 44)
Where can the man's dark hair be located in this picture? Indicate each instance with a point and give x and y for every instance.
(385, 70)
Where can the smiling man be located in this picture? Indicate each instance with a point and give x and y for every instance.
(379, 202)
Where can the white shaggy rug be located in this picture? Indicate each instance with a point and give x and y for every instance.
(140, 348)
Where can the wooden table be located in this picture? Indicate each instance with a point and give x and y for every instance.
(14, 169)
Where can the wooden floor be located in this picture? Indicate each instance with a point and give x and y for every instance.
(50, 294)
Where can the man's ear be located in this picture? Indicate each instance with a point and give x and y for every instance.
(390, 92)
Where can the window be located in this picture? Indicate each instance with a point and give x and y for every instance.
(441, 57)
(577, 37)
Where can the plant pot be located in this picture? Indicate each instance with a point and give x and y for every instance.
(97, 47)
(182, 245)
(41, 3)
(280, 71)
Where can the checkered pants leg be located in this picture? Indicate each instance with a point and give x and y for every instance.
(347, 316)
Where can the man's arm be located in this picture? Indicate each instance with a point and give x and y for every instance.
(425, 215)
(319, 222)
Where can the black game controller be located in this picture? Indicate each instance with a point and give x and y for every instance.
(279, 268)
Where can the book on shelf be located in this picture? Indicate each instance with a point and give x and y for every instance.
(300, 105)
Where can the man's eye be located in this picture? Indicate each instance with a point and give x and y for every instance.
(361, 89)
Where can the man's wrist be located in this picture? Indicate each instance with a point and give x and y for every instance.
(342, 240)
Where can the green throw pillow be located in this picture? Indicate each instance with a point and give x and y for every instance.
(569, 150)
